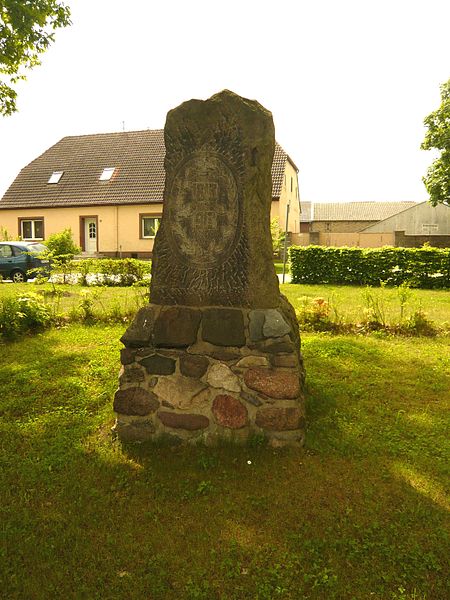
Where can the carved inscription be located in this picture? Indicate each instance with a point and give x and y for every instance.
(204, 211)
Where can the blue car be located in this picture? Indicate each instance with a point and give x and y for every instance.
(21, 260)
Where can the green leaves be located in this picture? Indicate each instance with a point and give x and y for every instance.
(427, 268)
(437, 179)
(26, 30)
(62, 247)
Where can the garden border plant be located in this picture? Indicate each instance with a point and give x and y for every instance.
(322, 315)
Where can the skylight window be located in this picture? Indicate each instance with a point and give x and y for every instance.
(55, 176)
(107, 173)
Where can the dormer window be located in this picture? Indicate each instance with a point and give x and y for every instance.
(107, 173)
(55, 176)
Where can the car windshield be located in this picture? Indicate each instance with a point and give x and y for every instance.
(36, 248)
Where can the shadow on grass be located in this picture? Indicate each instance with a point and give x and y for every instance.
(83, 517)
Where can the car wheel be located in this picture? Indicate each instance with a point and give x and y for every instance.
(18, 276)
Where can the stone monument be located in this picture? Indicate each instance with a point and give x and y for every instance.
(216, 355)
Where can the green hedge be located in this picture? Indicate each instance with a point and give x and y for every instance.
(419, 267)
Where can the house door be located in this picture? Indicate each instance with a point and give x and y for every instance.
(90, 235)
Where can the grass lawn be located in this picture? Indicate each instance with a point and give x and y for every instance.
(360, 513)
(68, 299)
(278, 264)
(348, 301)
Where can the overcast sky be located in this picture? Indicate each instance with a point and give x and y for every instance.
(348, 82)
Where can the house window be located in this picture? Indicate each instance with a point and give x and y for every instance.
(149, 226)
(55, 176)
(32, 229)
(107, 173)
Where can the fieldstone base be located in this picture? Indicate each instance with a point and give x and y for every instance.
(212, 373)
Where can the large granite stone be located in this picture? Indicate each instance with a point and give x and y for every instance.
(134, 429)
(127, 356)
(140, 332)
(274, 324)
(252, 361)
(284, 360)
(273, 383)
(229, 412)
(223, 327)
(156, 364)
(256, 322)
(178, 391)
(190, 422)
(279, 347)
(221, 376)
(192, 365)
(131, 374)
(213, 247)
(176, 327)
(135, 401)
(288, 312)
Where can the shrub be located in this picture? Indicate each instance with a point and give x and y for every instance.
(374, 313)
(60, 251)
(23, 314)
(417, 267)
(315, 315)
(420, 324)
(61, 246)
(86, 305)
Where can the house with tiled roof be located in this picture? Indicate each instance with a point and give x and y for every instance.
(374, 224)
(108, 188)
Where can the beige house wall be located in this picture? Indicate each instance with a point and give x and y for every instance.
(355, 240)
(118, 226)
(289, 194)
(275, 210)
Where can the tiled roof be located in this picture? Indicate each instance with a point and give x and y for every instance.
(278, 168)
(138, 157)
(139, 177)
(357, 211)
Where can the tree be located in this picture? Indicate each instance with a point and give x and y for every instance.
(27, 28)
(437, 179)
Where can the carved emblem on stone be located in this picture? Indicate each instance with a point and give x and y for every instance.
(204, 213)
